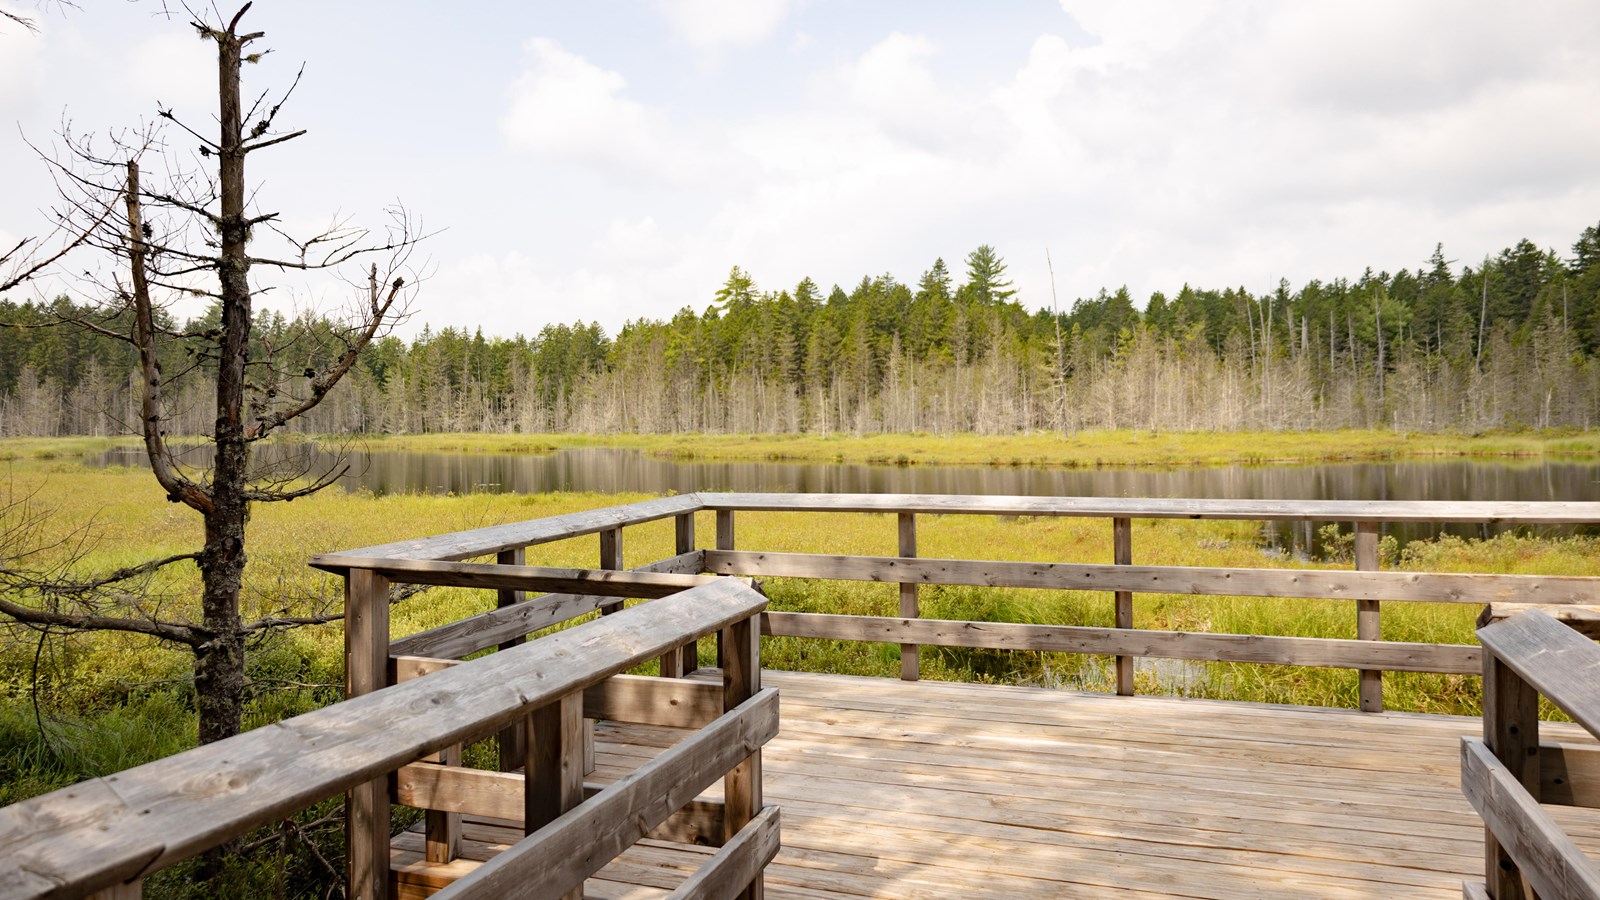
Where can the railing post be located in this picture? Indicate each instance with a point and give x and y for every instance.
(1368, 623)
(739, 645)
(1511, 731)
(680, 661)
(442, 830)
(554, 772)
(132, 890)
(512, 738)
(366, 669)
(611, 558)
(908, 596)
(1122, 555)
(724, 542)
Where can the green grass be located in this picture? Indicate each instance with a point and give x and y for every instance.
(1087, 449)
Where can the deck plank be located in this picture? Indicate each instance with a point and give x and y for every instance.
(900, 790)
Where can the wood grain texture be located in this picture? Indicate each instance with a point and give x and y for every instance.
(1290, 651)
(907, 526)
(1585, 620)
(493, 539)
(512, 742)
(1532, 513)
(500, 795)
(611, 558)
(1122, 555)
(640, 583)
(740, 861)
(677, 663)
(441, 828)
(741, 680)
(366, 669)
(457, 639)
(1325, 584)
(934, 789)
(1557, 661)
(1369, 624)
(668, 702)
(112, 829)
(560, 856)
(1545, 855)
(1569, 775)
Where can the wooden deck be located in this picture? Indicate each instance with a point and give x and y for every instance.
(892, 789)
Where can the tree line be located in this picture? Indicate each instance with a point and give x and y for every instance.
(1511, 341)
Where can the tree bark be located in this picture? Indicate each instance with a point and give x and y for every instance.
(219, 666)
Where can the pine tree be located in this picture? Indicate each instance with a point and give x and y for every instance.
(986, 281)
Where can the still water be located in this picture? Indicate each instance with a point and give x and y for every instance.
(612, 471)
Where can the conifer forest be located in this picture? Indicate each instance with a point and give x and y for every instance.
(1510, 341)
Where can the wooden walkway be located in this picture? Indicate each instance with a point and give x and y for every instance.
(892, 789)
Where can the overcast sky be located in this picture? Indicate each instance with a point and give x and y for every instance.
(611, 160)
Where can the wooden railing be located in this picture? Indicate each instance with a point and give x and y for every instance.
(1367, 586)
(106, 834)
(1509, 773)
(546, 688)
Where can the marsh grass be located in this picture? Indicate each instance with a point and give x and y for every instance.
(116, 700)
(1088, 449)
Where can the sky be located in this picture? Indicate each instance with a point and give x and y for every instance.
(607, 161)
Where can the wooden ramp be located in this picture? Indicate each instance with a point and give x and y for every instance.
(893, 789)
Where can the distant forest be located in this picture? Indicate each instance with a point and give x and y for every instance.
(1512, 343)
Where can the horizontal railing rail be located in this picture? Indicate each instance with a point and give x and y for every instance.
(1574, 599)
(514, 535)
(107, 833)
(1491, 511)
(1504, 775)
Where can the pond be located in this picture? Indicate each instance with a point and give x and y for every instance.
(611, 471)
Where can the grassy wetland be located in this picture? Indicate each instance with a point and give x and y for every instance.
(1081, 450)
(83, 705)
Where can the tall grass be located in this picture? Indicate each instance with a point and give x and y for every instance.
(1085, 449)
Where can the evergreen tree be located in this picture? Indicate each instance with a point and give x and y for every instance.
(986, 281)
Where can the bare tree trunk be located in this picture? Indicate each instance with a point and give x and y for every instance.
(219, 670)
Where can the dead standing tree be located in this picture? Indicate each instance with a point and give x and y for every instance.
(198, 233)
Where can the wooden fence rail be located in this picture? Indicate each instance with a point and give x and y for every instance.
(1526, 852)
(1575, 599)
(108, 833)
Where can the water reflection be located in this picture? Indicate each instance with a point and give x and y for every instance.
(613, 471)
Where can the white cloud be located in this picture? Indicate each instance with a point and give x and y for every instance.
(1210, 143)
(710, 24)
(570, 110)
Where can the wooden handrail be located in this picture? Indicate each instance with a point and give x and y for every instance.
(1495, 511)
(498, 576)
(575, 846)
(1394, 656)
(1527, 655)
(507, 623)
(110, 830)
(495, 538)
(1555, 660)
(1309, 584)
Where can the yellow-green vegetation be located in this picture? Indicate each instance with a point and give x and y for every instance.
(111, 700)
(1085, 449)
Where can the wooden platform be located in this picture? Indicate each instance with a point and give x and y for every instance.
(893, 789)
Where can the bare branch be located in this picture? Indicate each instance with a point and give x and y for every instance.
(167, 631)
(178, 487)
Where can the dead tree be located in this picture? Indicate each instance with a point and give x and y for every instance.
(196, 231)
